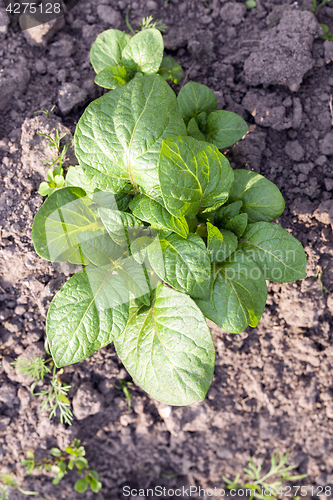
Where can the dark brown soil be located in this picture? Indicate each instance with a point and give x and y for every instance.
(273, 385)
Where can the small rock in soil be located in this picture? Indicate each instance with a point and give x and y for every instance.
(175, 38)
(64, 47)
(13, 80)
(40, 35)
(247, 152)
(322, 213)
(7, 394)
(269, 110)
(110, 16)
(70, 97)
(4, 21)
(201, 45)
(233, 13)
(326, 145)
(87, 401)
(328, 46)
(284, 54)
(294, 150)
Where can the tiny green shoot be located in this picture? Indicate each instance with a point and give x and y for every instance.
(55, 177)
(46, 111)
(10, 481)
(124, 386)
(61, 463)
(56, 394)
(259, 484)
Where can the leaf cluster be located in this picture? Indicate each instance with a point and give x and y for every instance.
(60, 464)
(168, 232)
(117, 57)
(259, 484)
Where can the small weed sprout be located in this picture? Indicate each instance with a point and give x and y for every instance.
(46, 111)
(124, 385)
(61, 463)
(56, 394)
(258, 484)
(55, 177)
(10, 481)
(148, 23)
(326, 32)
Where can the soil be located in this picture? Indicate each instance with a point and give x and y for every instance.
(273, 385)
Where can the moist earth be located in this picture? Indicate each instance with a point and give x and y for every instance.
(273, 385)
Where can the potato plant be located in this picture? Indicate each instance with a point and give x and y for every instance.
(168, 234)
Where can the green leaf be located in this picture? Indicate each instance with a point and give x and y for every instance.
(202, 120)
(81, 485)
(146, 50)
(195, 98)
(238, 294)
(193, 175)
(55, 452)
(185, 264)
(220, 243)
(99, 248)
(112, 77)
(168, 348)
(192, 224)
(59, 181)
(280, 256)
(107, 49)
(118, 224)
(237, 224)
(149, 210)
(224, 128)
(95, 485)
(261, 198)
(44, 189)
(171, 70)
(227, 212)
(194, 131)
(105, 199)
(64, 215)
(119, 136)
(86, 314)
(76, 177)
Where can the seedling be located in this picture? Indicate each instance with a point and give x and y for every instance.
(60, 464)
(10, 481)
(315, 7)
(319, 275)
(56, 394)
(46, 111)
(250, 4)
(168, 232)
(124, 386)
(148, 23)
(326, 32)
(55, 177)
(259, 485)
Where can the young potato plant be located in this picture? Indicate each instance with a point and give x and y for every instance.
(167, 232)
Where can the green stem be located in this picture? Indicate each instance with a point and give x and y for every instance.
(128, 24)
